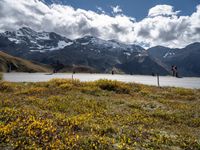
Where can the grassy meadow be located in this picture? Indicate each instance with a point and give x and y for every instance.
(66, 114)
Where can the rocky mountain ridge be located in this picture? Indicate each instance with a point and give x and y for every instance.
(101, 55)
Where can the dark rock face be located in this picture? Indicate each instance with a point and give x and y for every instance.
(101, 55)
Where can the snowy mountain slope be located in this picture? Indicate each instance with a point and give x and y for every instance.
(48, 41)
(37, 41)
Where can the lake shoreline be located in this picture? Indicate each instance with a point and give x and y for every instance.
(186, 82)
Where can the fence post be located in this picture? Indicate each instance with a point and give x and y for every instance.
(158, 80)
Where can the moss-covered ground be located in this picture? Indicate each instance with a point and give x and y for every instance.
(65, 114)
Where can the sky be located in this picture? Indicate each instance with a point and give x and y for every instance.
(171, 23)
(134, 8)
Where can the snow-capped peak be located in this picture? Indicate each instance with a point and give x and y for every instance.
(110, 45)
(37, 41)
(48, 41)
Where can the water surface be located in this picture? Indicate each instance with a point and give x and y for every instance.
(186, 82)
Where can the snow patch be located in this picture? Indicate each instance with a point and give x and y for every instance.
(126, 53)
(43, 37)
(19, 33)
(62, 44)
(41, 51)
(168, 54)
(86, 43)
(14, 40)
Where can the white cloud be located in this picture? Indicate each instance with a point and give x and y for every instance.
(101, 10)
(158, 28)
(116, 9)
(167, 29)
(162, 10)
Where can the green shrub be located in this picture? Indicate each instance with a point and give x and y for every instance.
(60, 82)
(116, 86)
(6, 87)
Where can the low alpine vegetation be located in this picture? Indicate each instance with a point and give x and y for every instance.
(69, 114)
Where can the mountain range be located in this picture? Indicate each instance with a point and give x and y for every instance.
(97, 54)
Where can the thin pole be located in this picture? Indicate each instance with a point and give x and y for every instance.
(158, 80)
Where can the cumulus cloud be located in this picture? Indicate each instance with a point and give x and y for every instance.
(167, 29)
(116, 9)
(164, 10)
(158, 28)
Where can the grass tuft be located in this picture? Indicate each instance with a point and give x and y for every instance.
(1, 76)
(116, 86)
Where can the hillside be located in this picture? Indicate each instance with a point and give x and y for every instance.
(143, 66)
(10, 63)
(186, 59)
(66, 114)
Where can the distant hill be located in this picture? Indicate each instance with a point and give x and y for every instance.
(10, 63)
(186, 59)
(143, 66)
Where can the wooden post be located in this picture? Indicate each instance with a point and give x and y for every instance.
(158, 80)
